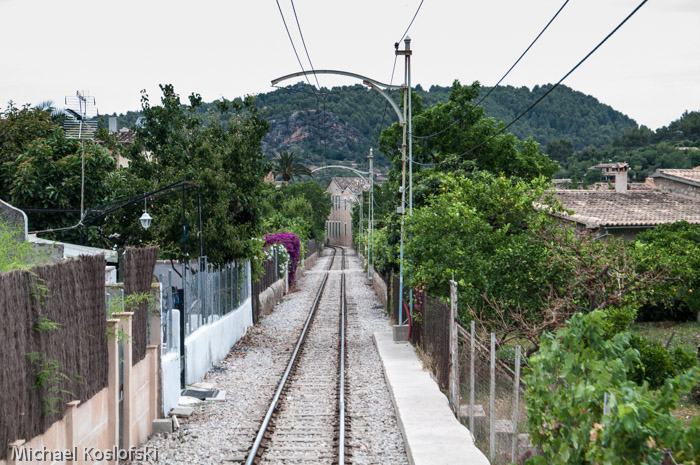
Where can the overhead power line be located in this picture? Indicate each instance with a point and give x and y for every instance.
(292, 42)
(322, 120)
(459, 120)
(502, 130)
(411, 23)
(301, 34)
(393, 68)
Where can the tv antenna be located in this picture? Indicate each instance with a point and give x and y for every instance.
(81, 123)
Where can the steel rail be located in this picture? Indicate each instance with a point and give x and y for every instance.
(275, 400)
(341, 395)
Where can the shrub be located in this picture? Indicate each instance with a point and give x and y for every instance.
(655, 362)
(683, 358)
(293, 245)
(567, 381)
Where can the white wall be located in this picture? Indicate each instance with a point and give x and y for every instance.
(170, 369)
(210, 344)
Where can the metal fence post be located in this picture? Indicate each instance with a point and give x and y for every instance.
(471, 378)
(171, 341)
(454, 361)
(516, 396)
(492, 401)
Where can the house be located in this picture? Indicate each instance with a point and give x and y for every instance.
(673, 196)
(344, 192)
(611, 170)
(124, 136)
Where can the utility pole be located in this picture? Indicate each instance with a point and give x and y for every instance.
(370, 214)
(410, 152)
(406, 92)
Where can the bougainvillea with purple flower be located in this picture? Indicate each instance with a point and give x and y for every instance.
(290, 242)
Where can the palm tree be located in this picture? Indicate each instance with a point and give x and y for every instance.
(287, 165)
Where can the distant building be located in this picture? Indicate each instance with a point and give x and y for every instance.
(611, 171)
(344, 192)
(673, 196)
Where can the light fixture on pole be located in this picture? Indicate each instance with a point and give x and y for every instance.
(145, 218)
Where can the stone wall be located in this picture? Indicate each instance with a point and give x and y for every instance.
(677, 188)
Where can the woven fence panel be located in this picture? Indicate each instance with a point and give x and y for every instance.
(138, 276)
(54, 315)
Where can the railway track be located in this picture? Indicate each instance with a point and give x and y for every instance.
(305, 421)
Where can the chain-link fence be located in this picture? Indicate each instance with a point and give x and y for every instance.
(430, 332)
(491, 392)
(212, 291)
(488, 397)
(169, 322)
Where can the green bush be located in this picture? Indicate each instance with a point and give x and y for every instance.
(658, 363)
(619, 319)
(683, 358)
(567, 382)
(655, 362)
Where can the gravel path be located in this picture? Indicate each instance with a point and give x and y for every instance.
(222, 432)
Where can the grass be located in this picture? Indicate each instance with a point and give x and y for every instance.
(684, 334)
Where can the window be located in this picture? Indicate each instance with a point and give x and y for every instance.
(346, 229)
(345, 204)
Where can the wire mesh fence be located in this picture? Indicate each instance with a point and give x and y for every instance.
(487, 392)
(212, 291)
(265, 279)
(170, 298)
(430, 332)
(492, 407)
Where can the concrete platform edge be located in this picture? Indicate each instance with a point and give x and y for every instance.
(432, 435)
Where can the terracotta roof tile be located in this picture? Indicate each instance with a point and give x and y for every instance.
(356, 185)
(634, 208)
(680, 175)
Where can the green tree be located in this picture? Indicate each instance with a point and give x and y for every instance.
(673, 249)
(287, 165)
(178, 142)
(559, 149)
(18, 129)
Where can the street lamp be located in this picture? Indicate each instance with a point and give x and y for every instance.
(145, 218)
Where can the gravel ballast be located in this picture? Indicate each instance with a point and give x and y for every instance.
(222, 432)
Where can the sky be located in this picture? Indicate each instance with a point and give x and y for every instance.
(649, 70)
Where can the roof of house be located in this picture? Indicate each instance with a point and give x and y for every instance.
(686, 176)
(356, 185)
(619, 165)
(635, 208)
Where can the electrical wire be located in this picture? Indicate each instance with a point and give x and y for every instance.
(322, 132)
(459, 120)
(393, 69)
(502, 130)
(292, 42)
(411, 23)
(301, 34)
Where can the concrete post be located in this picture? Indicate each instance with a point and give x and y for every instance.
(11, 447)
(454, 355)
(153, 381)
(125, 326)
(71, 427)
(492, 401)
(113, 383)
(516, 398)
(472, 346)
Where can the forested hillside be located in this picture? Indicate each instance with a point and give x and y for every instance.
(674, 146)
(342, 123)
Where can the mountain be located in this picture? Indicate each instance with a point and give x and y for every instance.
(340, 124)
